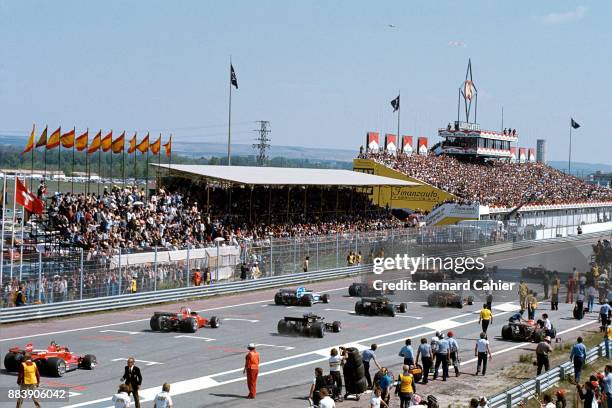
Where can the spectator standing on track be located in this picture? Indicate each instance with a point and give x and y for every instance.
(578, 356)
(405, 387)
(251, 369)
(483, 352)
(367, 356)
(523, 291)
(28, 379)
(122, 399)
(442, 356)
(326, 401)
(335, 363)
(486, 318)
(453, 348)
(591, 293)
(580, 305)
(571, 288)
(317, 384)
(554, 295)
(407, 353)
(532, 305)
(133, 379)
(163, 399)
(582, 281)
(542, 351)
(546, 283)
(424, 351)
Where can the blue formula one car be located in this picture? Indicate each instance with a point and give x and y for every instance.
(299, 297)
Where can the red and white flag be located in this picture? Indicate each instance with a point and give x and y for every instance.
(28, 200)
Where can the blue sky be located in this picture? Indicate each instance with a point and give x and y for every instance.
(322, 72)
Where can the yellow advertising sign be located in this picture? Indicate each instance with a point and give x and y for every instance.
(422, 197)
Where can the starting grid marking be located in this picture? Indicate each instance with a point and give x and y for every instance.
(185, 336)
(145, 362)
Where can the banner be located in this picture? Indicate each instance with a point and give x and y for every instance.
(522, 155)
(25, 198)
(407, 145)
(422, 197)
(532, 155)
(391, 143)
(513, 154)
(422, 146)
(372, 142)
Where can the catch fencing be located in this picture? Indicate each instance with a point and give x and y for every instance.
(66, 273)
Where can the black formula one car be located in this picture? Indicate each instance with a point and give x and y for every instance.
(428, 275)
(299, 297)
(448, 299)
(309, 325)
(527, 331)
(360, 289)
(533, 272)
(378, 306)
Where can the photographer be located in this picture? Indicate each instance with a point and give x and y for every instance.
(336, 361)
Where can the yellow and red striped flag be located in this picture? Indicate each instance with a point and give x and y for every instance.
(42, 140)
(30, 144)
(168, 147)
(54, 139)
(143, 146)
(119, 144)
(95, 143)
(132, 147)
(82, 141)
(107, 142)
(156, 146)
(67, 139)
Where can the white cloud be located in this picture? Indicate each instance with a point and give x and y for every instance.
(565, 16)
(458, 44)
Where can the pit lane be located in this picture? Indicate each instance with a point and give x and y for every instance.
(206, 367)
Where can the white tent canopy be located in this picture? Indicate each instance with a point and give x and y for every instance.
(281, 176)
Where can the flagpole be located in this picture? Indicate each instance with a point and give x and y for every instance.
(229, 121)
(22, 242)
(32, 168)
(72, 175)
(111, 163)
(87, 168)
(569, 162)
(123, 165)
(399, 107)
(158, 162)
(147, 176)
(99, 166)
(135, 178)
(59, 162)
(2, 229)
(13, 227)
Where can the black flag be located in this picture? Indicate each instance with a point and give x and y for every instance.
(395, 103)
(233, 79)
(575, 124)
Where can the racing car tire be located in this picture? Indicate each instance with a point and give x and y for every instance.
(189, 325)
(390, 310)
(55, 367)
(325, 298)
(441, 302)
(506, 332)
(12, 361)
(317, 330)
(154, 323)
(403, 307)
(164, 323)
(431, 300)
(215, 322)
(359, 386)
(353, 290)
(88, 362)
(278, 299)
(336, 326)
(282, 327)
(359, 308)
(307, 300)
(470, 300)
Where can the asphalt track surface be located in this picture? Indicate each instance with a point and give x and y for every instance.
(205, 368)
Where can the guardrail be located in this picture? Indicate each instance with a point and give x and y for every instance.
(532, 388)
(19, 314)
(42, 311)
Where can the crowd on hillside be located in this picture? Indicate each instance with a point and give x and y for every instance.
(495, 183)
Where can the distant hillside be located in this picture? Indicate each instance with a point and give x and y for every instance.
(580, 167)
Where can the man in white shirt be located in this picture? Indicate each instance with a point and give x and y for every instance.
(121, 399)
(326, 401)
(163, 399)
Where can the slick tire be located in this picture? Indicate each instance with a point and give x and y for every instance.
(12, 361)
(154, 323)
(215, 322)
(506, 332)
(88, 362)
(55, 367)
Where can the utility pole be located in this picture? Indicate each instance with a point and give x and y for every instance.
(262, 142)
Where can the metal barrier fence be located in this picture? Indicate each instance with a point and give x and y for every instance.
(66, 274)
(534, 387)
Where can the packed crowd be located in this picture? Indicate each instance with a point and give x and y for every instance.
(495, 183)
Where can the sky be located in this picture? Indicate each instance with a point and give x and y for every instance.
(322, 72)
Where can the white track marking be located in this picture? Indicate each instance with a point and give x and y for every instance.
(409, 317)
(539, 253)
(240, 320)
(120, 331)
(286, 348)
(185, 336)
(145, 362)
(340, 310)
(506, 307)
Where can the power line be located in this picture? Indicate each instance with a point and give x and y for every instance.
(262, 142)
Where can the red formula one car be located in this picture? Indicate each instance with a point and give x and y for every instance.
(55, 361)
(185, 321)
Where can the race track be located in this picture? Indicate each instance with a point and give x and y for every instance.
(205, 368)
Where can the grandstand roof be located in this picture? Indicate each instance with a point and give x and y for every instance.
(283, 176)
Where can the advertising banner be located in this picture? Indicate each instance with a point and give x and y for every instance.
(407, 145)
(372, 141)
(422, 143)
(391, 143)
